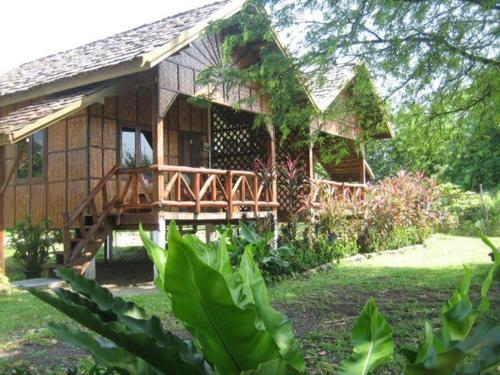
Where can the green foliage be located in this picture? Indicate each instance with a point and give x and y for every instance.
(463, 152)
(125, 324)
(270, 259)
(32, 244)
(372, 341)
(442, 352)
(471, 214)
(219, 306)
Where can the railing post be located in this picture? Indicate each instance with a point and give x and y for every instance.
(196, 191)
(229, 191)
(256, 193)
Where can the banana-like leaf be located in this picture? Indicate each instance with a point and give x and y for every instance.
(487, 338)
(157, 255)
(129, 314)
(143, 338)
(372, 342)
(111, 357)
(276, 367)
(201, 299)
(441, 353)
(275, 322)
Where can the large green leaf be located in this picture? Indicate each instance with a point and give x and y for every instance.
(372, 341)
(201, 299)
(110, 357)
(441, 353)
(143, 338)
(129, 314)
(157, 255)
(275, 322)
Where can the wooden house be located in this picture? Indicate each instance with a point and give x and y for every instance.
(103, 137)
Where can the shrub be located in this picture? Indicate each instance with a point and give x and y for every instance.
(258, 236)
(469, 211)
(32, 244)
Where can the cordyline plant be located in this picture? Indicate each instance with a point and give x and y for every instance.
(235, 329)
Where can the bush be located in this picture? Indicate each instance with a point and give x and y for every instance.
(259, 236)
(399, 211)
(32, 244)
(468, 211)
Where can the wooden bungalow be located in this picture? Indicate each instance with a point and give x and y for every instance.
(103, 137)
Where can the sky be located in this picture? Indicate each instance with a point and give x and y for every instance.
(30, 29)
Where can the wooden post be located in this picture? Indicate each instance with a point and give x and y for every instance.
(274, 187)
(362, 171)
(158, 157)
(229, 192)
(196, 191)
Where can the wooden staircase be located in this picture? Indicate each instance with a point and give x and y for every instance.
(86, 228)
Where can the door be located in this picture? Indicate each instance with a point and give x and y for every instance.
(189, 149)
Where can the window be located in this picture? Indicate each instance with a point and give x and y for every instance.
(136, 147)
(32, 163)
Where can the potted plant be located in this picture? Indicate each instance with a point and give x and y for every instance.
(32, 244)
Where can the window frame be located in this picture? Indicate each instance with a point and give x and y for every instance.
(28, 153)
(138, 128)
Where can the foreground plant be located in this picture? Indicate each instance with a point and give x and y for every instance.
(236, 330)
(441, 352)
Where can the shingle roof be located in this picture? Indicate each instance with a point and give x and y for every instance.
(43, 113)
(114, 50)
(324, 92)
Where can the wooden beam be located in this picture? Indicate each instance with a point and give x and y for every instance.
(158, 152)
(2, 250)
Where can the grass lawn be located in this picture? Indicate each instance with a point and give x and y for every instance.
(409, 289)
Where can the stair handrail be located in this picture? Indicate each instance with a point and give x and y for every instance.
(79, 210)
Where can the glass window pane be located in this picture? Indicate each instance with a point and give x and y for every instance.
(146, 148)
(37, 154)
(128, 148)
(22, 168)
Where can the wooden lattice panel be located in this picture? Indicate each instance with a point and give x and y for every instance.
(293, 147)
(236, 143)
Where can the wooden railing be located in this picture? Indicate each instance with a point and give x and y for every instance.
(196, 190)
(89, 206)
(347, 190)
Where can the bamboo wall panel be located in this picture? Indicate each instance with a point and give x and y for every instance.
(8, 207)
(22, 201)
(189, 119)
(77, 191)
(109, 133)
(57, 137)
(77, 164)
(96, 162)
(127, 105)
(38, 208)
(77, 132)
(56, 167)
(95, 131)
(56, 203)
